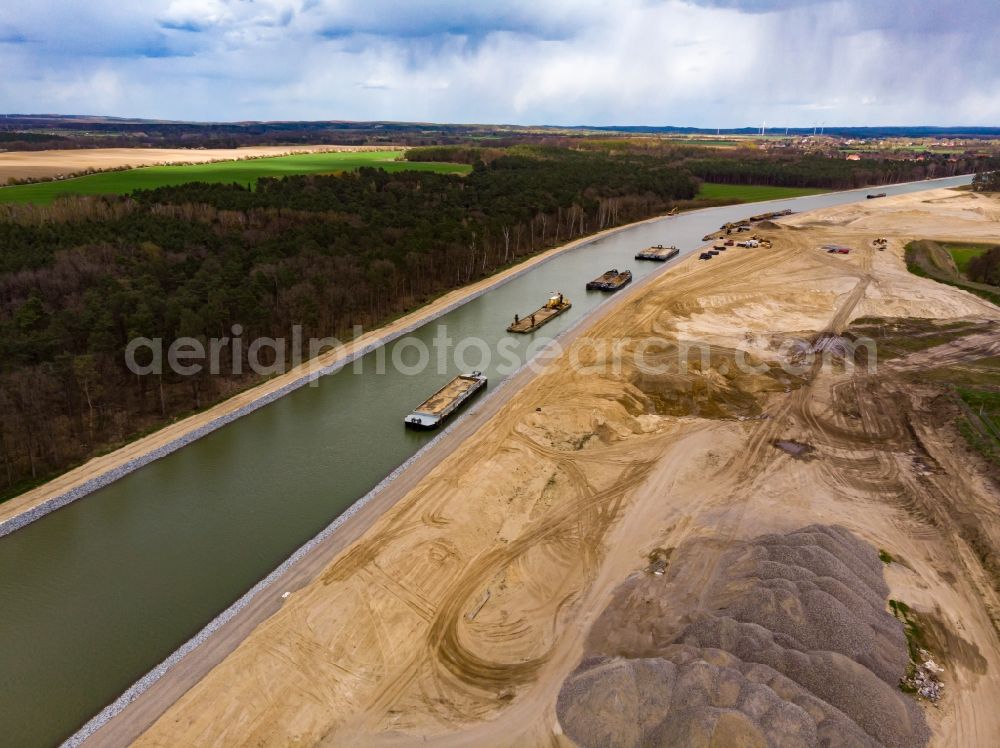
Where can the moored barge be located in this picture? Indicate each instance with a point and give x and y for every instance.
(556, 305)
(432, 411)
(659, 253)
(611, 281)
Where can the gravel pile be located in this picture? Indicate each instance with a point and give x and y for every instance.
(782, 640)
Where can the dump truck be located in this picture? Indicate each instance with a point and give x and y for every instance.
(556, 305)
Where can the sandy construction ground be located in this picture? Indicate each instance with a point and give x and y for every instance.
(457, 615)
(37, 164)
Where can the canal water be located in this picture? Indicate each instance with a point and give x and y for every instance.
(95, 594)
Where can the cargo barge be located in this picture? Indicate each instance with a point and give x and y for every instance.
(744, 225)
(432, 411)
(556, 305)
(875, 195)
(659, 253)
(611, 281)
(769, 216)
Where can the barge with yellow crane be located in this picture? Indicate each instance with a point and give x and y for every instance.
(556, 305)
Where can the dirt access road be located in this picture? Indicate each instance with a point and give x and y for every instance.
(459, 612)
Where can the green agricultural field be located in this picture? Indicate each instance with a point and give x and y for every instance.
(244, 172)
(752, 193)
(962, 254)
(931, 259)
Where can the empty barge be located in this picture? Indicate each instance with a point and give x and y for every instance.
(432, 411)
(556, 305)
(659, 253)
(611, 281)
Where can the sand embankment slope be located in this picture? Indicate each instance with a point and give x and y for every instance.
(42, 164)
(460, 611)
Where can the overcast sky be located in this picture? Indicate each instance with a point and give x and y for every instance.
(709, 63)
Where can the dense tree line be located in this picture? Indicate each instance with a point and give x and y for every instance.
(986, 181)
(743, 166)
(986, 267)
(821, 171)
(30, 141)
(26, 132)
(82, 277)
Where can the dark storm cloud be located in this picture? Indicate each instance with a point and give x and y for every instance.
(705, 62)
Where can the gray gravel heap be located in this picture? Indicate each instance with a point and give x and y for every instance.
(784, 640)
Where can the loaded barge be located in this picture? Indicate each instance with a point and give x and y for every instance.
(875, 195)
(556, 305)
(611, 281)
(744, 225)
(432, 411)
(659, 253)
